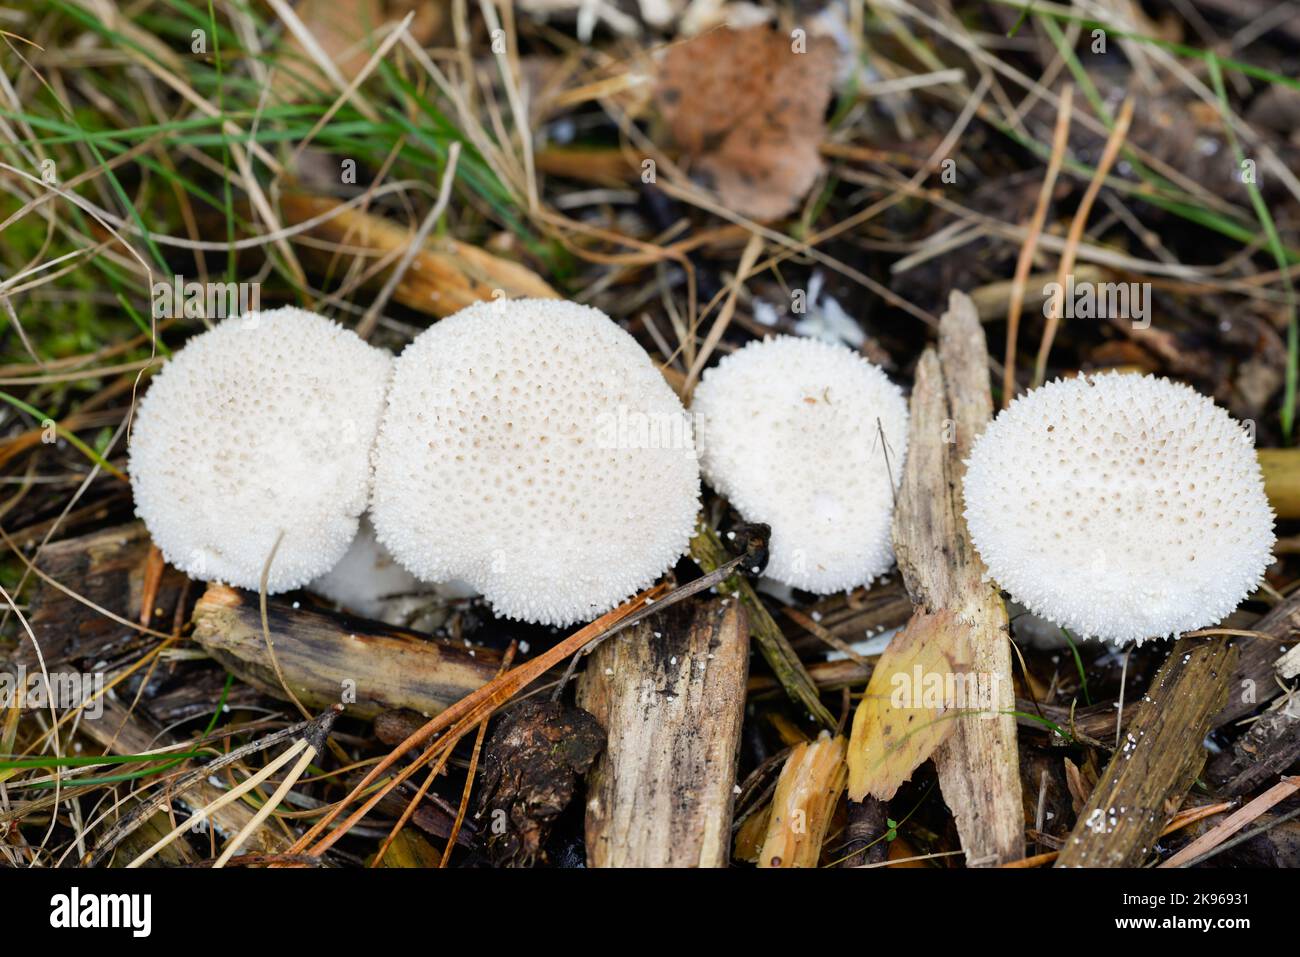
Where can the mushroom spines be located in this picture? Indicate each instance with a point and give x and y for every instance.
(259, 429)
(532, 449)
(1119, 506)
(809, 438)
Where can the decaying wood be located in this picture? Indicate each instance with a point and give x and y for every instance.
(1270, 745)
(445, 277)
(1234, 822)
(951, 403)
(1094, 722)
(1271, 840)
(106, 568)
(858, 615)
(1288, 666)
(806, 795)
(1158, 759)
(864, 833)
(1254, 682)
(327, 658)
(671, 695)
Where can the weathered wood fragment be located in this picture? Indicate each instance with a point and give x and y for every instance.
(107, 569)
(951, 404)
(327, 658)
(1270, 745)
(1254, 683)
(864, 841)
(1158, 759)
(445, 276)
(671, 694)
(807, 792)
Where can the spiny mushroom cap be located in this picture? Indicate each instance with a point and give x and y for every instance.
(259, 426)
(532, 449)
(1118, 506)
(790, 431)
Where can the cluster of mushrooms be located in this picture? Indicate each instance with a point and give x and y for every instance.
(494, 454)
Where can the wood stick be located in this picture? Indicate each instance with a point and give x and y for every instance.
(447, 275)
(1158, 760)
(327, 658)
(951, 403)
(671, 695)
(807, 793)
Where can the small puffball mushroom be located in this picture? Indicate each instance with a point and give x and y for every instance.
(260, 426)
(790, 431)
(531, 449)
(368, 581)
(1122, 507)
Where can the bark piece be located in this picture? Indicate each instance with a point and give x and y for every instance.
(864, 841)
(328, 658)
(106, 568)
(951, 403)
(531, 767)
(807, 793)
(1158, 759)
(671, 694)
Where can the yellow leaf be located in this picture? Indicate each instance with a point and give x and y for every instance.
(917, 690)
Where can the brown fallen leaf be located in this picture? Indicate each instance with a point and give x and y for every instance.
(444, 277)
(920, 684)
(748, 109)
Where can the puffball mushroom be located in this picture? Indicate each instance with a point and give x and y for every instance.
(367, 580)
(531, 449)
(1123, 507)
(260, 427)
(791, 432)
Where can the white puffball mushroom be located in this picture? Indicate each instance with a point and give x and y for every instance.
(260, 426)
(531, 449)
(790, 432)
(1121, 507)
(368, 581)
